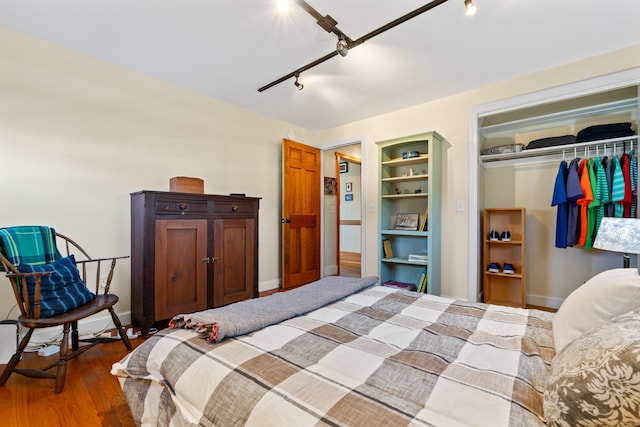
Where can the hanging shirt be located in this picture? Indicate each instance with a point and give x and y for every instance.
(617, 187)
(608, 170)
(626, 174)
(574, 192)
(559, 199)
(601, 193)
(592, 208)
(584, 201)
(633, 169)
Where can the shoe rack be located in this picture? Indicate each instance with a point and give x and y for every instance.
(500, 287)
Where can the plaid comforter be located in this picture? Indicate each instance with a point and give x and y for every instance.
(379, 357)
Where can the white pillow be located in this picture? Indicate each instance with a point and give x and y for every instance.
(603, 297)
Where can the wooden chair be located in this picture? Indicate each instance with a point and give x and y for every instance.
(31, 319)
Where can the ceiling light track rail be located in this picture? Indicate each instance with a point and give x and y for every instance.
(327, 22)
(329, 25)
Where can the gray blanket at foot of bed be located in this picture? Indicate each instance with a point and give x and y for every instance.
(248, 316)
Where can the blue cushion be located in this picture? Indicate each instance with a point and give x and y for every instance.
(61, 291)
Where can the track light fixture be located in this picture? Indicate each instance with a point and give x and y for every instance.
(470, 7)
(345, 43)
(300, 86)
(342, 47)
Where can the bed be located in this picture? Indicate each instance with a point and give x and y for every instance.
(348, 352)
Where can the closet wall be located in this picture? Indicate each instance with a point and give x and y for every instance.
(526, 179)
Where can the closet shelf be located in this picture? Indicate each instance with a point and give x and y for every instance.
(566, 117)
(559, 152)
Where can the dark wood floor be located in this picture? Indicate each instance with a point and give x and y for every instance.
(91, 397)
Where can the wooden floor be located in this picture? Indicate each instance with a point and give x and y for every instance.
(91, 396)
(348, 270)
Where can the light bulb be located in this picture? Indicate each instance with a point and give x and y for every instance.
(470, 7)
(283, 5)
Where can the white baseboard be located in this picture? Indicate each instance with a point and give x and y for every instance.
(268, 285)
(330, 270)
(8, 341)
(542, 301)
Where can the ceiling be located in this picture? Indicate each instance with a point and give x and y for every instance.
(227, 49)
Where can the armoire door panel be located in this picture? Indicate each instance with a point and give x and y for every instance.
(234, 250)
(181, 276)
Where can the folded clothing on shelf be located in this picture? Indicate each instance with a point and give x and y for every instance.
(501, 149)
(551, 141)
(612, 130)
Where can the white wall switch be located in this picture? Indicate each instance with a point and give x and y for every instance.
(460, 206)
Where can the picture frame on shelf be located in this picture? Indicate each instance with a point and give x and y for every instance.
(348, 197)
(407, 221)
(347, 187)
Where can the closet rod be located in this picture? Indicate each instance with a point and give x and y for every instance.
(558, 149)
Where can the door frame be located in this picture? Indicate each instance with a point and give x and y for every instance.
(341, 157)
(335, 146)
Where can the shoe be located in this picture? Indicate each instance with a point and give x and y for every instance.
(505, 236)
(494, 267)
(493, 235)
(508, 269)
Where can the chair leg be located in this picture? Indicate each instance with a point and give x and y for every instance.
(61, 371)
(75, 337)
(8, 370)
(120, 328)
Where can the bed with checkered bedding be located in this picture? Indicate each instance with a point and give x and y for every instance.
(378, 357)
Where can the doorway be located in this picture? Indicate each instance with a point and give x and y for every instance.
(342, 212)
(349, 215)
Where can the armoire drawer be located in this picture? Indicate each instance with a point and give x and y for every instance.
(180, 207)
(232, 207)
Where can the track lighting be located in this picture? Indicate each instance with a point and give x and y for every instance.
(300, 86)
(345, 43)
(341, 47)
(470, 7)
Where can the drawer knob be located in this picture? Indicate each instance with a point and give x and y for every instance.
(234, 208)
(182, 206)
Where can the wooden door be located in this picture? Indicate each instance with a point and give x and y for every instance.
(233, 260)
(180, 274)
(300, 214)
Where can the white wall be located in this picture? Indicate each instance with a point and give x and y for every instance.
(78, 135)
(450, 117)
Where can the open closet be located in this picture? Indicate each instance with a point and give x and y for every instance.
(507, 172)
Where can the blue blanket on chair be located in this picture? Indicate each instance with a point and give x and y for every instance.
(29, 244)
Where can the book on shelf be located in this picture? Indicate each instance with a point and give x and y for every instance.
(386, 247)
(418, 257)
(423, 222)
(422, 285)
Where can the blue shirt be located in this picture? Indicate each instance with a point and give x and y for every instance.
(559, 199)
